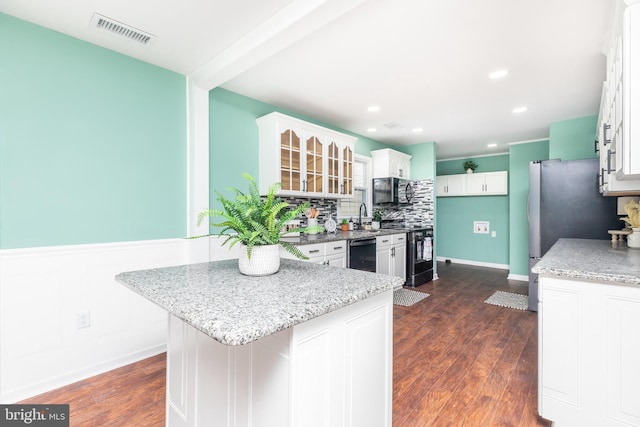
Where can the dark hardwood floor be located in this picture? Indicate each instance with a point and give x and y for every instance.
(457, 362)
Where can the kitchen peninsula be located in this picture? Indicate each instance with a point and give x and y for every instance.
(589, 326)
(309, 345)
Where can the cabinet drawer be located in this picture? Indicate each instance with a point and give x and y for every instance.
(399, 238)
(313, 250)
(336, 248)
(382, 241)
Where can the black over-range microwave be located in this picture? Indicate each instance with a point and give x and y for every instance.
(394, 191)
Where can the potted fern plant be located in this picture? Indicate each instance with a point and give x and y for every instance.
(258, 223)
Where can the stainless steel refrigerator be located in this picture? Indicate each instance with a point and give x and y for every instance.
(564, 202)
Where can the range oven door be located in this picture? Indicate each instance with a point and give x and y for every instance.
(419, 257)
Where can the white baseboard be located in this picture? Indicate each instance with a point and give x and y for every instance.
(79, 375)
(519, 277)
(476, 263)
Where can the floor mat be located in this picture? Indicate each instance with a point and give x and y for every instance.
(508, 299)
(407, 297)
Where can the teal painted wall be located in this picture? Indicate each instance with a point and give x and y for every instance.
(499, 162)
(455, 217)
(520, 155)
(573, 139)
(233, 136)
(456, 239)
(92, 143)
(423, 159)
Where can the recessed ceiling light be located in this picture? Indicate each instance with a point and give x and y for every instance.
(498, 74)
(492, 145)
(416, 130)
(373, 108)
(520, 110)
(372, 130)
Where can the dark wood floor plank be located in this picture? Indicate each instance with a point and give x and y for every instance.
(457, 362)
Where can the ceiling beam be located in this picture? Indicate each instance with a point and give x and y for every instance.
(289, 25)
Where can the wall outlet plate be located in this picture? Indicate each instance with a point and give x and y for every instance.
(84, 319)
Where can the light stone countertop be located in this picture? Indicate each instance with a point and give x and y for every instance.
(234, 309)
(306, 239)
(594, 260)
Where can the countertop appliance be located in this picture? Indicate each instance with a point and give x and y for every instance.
(362, 254)
(393, 191)
(419, 256)
(564, 202)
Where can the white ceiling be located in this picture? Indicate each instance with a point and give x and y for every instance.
(424, 62)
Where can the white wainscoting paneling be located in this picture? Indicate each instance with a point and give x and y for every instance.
(42, 291)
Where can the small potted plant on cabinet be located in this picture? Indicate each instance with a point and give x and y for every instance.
(377, 218)
(470, 166)
(258, 223)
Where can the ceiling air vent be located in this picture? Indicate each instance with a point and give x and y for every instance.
(118, 28)
(392, 125)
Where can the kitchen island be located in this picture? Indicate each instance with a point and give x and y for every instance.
(309, 345)
(589, 334)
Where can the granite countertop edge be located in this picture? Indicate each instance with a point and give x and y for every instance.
(233, 319)
(309, 239)
(592, 260)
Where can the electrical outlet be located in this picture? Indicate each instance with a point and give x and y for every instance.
(84, 319)
(493, 234)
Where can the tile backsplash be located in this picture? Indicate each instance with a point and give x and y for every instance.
(325, 206)
(419, 212)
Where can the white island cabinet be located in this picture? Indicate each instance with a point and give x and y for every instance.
(589, 334)
(307, 346)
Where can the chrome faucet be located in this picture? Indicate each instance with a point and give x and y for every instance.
(360, 214)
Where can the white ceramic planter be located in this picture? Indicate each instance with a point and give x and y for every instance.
(265, 260)
(633, 239)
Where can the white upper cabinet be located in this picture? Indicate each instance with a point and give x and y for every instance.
(618, 127)
(450, 185)
(474, 184)
(391, 163)
(307, 159)
(487, 183)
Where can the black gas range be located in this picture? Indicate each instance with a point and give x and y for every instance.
(419, 251)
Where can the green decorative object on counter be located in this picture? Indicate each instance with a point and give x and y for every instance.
(377, 214)
(256, 222)
(470, 166)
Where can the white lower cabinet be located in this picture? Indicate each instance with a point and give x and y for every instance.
(334, 370)
(391, 255)
(589, 353)
(329, 253)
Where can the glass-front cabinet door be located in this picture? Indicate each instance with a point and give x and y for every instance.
(313, 182)
(347, 171)
(290, 154)
(333, 167)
